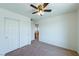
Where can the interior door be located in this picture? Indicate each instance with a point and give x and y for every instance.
(12, 33)
(24, 33)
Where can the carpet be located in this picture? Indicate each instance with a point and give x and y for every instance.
(38, 48)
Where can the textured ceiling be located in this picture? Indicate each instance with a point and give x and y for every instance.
(26, 10)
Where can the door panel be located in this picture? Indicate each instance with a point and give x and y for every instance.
(24, 33)
(30, 33)
(12, 33)
(2, 40)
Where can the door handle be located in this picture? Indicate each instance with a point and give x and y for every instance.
(6, 37)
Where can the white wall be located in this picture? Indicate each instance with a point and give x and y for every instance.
(7, 13)
(60, 30)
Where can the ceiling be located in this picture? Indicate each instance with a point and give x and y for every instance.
(26, 10)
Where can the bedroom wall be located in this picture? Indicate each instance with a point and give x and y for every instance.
(60, 30)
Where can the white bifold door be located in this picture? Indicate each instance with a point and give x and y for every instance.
(9, 35)
(2, 43)
(12, 34)
(24, 33)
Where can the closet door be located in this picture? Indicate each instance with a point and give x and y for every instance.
(24, 33)
(30, 33)
(12, 33)
(2, 40)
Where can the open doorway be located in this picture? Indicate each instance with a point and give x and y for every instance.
(36, 34)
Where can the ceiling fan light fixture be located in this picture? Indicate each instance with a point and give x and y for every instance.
(41, 8)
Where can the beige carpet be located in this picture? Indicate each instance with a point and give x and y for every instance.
(38, 48)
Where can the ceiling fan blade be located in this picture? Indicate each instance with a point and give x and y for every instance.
(49, 10)
(45, 4)
(35, 12)
(33, 6)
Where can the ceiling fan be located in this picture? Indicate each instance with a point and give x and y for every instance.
(40, 8)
